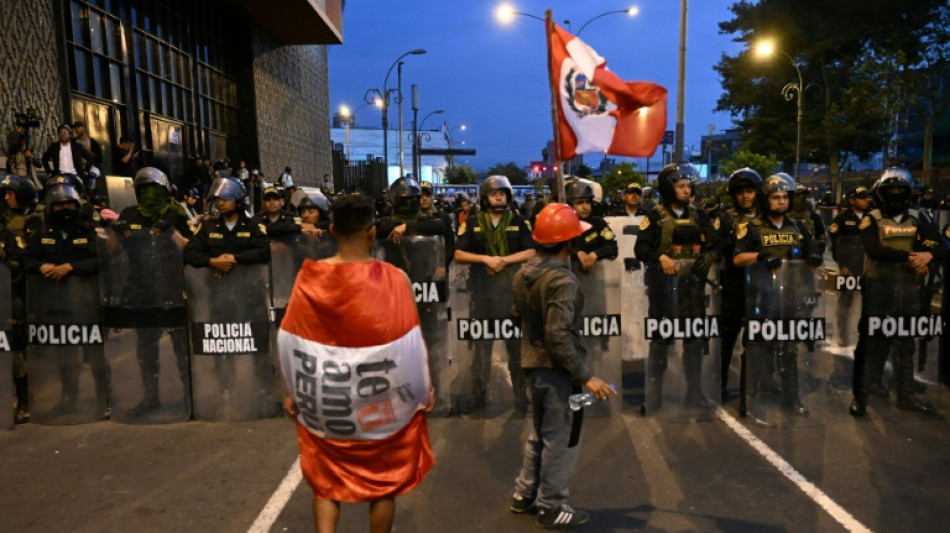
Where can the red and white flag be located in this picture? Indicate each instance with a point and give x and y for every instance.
(597, 111)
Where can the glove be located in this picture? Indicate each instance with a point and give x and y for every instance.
(814, 259)
(121, 226)
(161, 225)
(770, 259)
(702, 265)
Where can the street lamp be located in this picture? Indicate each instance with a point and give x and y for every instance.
(383, 95)
(506, 13)
(348, 117)
(448, 140)
(416, 136)
(791, 90)
(631, 11)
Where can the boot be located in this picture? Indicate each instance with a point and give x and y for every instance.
(150, 403)
(904, 375)
(692, 367)
(656, 367)
(22, 414)
(788, 369)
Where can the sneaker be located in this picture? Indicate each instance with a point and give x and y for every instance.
(563, 516)
(521, 504)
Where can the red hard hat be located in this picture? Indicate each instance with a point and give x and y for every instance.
(557, 223)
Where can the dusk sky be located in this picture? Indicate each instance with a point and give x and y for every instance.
(492, 77)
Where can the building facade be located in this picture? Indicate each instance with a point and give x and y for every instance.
(179, 78)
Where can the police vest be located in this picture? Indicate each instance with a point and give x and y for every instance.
(785, 242)
(17, 224)
(678, 231)
(805, 218)
(898, 235)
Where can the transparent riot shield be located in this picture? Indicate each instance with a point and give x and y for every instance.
(844, 309)
(601, 328)
(232, 373)
(68, 372)
(141, 283)
(681, 325)
(485, 341)
(423, 259)
(784, 322)
(121, 193)
(633, 301)
(903, 328)
(6, 357)
(943, 217)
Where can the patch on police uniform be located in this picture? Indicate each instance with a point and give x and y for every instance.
(865, 223)
(135, 226)
(96, 217)
(742, 230)
(716, 223)
(244, 234)
(606, 233)
(20, 242)
(298, 221)
(527, 223)
(929, 244)
(947, 232)
(46, 240)
(833, 228)
(645, 223)
(215, 236)
(262, 228)
(80, 241)
(461, 229)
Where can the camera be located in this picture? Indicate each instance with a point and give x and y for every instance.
(29, 119)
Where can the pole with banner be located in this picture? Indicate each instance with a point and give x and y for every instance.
(549, 31)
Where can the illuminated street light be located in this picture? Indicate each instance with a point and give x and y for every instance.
(382, 96)
(505, 13)
(766, 48)
(631, 11)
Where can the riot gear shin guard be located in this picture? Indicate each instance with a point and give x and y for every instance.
(693, 368)
(788, 369)
(656, 367)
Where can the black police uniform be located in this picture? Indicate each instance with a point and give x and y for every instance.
(247, 241)
(492, 297)
(147, 335)
(285, 225)
(661, 232)
(599, 239)
(448, 233)
(621, 211)
(732, 311)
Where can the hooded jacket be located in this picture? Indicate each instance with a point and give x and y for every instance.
(549, 300)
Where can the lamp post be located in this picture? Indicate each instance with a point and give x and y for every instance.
(632, 11)
(448, 140)
(791, 90)
(348, 117)
(383, 95)
(681, 87)
(416, 126)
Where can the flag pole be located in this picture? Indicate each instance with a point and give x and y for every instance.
(549, 31)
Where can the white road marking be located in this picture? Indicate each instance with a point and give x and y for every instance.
(837, 512)
(278, 500)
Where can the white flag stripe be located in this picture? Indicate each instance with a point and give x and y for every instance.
(586, 58)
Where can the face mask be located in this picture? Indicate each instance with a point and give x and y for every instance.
(63, 218)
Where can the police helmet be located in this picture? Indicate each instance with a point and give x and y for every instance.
(780, 182)
(59, 193)
(672, 173)
(192, 192)
(744, 178)
(24, 192)
(151, 176)
(314, 199)
(405, 187)
(60, 178)
(461, 197)
(893, 201)
(491, 184)
(579, 188)
(227, 189)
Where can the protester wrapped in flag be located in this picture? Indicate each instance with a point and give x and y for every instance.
(596, 110)
(355, 366)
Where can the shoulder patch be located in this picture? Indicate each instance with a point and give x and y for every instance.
(947, 232)
(742, 230)
(527, 224)
(833, 228)
(607, 234)
(262, 228)
(716, 223)
(96, 216)
(461, 229)
(865, 222)
(47, 240)
(645, 223)
(298, 221)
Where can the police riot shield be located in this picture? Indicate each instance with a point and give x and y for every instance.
(682, 327)
(943, 216)
(121, 193)
(6, 357)
(903, 326)
(844, 309)
(68, 372)
(485, 373)
(145, 317)
(784, 325)
(423, 259)
(633, 301)
(601, 326)
(231, 371)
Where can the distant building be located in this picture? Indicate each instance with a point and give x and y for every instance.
(366, 144)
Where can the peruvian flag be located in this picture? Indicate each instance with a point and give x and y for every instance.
(352, 352)
(597, 111)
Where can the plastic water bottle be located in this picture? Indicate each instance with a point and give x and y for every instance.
(583, 399)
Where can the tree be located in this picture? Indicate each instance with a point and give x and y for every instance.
(765, 165)
(463, 175)
(515, 174)
(620, 176)
(583, 171)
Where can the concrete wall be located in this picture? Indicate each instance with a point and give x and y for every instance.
(29, 69)
(291, 87)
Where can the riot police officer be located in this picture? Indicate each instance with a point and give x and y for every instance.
(771, 239)
(803, 211)
(278, 222)
(495, 241)
(901, 246)
(156, 213)
(676, 230)
(22, 219)
(427, 207)
(314, 209)
(743, 184)
(598, 242)
(230, 239)
(631, 206)
(407, 219)
(66, 246)
(849, 254)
